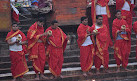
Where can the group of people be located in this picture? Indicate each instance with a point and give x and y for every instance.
(93, 42)
(55, 41)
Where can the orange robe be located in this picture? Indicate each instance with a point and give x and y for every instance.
(55, 48)
(86, 52)
(101, 46)
(36, 49)
(135, 30)
(126, 15)
(102, 3)
(122, 46)
(18, 62)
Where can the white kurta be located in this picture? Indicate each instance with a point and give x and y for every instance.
(101, 10)
(15, 47)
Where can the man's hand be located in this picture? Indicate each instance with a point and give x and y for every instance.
(95, 33)
(45, 33)
(88, 34)
(68, 37)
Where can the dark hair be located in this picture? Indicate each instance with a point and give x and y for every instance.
(53, 22)
(98, 16)
(14, 23)
(118, 11)
(83, 18)
(41, 19)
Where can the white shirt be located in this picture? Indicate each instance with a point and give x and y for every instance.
(127, 6)
(15, 47)
(87, 42)
(101, 10)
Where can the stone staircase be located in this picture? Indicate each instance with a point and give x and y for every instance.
(71, 70)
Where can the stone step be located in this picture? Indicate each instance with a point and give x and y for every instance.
(75, 73)
(27, 21)
(24, 16)
(5, 67)
(67, 54)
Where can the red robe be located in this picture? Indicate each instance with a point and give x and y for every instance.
(101, 46)
(55, 48)
(86, 52)
(18, 62)
(122, 46)
(36, 49)
(126, 15)
(135, 30)
(105, 17)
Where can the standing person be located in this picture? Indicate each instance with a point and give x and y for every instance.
(56, 45)
(100, 40)
(86, 46)
(16, 39)
(126, 7)
(100, 7)
(135, 30)
(121, 34)
(36, 47)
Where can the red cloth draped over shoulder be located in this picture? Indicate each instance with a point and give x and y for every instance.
(33, 36)
(135, 27)
(135, 30)
(82, 33)
(93, 8)
(127, 39)
(12, 34)
(102, 37)
(117, 26)
(18, 62)
(56, 35)
(102, 44)
(55, 50)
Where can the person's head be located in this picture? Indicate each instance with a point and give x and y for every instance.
(54, 24)
(118, 14)
(40, 21)
(99, 19)
(15, 26)
(84, 20)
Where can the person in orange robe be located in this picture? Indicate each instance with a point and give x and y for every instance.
(100, 7)
(135, 30)
(121, 34)
(86, 46)
(16, 39)
(126, 7)
(100, 41)
(56, 44)
(36, 47)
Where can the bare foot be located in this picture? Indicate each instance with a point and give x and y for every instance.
(61, 76)
(90, 73)
(127, 69)
(23, 79)
(85, 74)
(52, 77)
(37, 78)
(118, 70)
(14, 79)
(43, 77)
